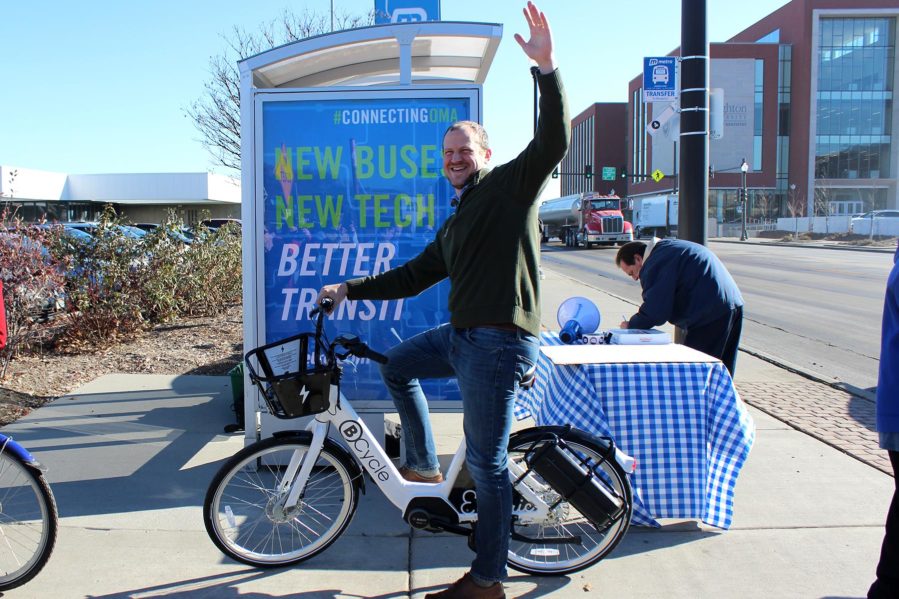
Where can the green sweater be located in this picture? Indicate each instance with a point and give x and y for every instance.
(490, 247)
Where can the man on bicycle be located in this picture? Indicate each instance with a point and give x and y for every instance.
(489, 249)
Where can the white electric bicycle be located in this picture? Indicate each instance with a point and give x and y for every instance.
(284, 499)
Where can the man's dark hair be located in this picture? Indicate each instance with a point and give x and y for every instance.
(627, 252)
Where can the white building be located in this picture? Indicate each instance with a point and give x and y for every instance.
(137, 197)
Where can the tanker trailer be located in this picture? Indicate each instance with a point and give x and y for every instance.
(582, 220)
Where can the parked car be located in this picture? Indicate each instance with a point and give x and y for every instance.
(42, 294)
(884, 222)
(176, 234)
(91, 228)
(215, 223)
(67, 233)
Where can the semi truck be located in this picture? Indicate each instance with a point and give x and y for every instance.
(585, 220)
(656, 216)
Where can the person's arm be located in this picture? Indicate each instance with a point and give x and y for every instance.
(413, 277)
(421, 272)
(658, 298)
(532, 167)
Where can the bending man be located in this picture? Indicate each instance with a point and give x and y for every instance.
(489, 249)
(685, 283)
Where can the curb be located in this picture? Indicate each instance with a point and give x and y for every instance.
(820, 246)
(851, 390)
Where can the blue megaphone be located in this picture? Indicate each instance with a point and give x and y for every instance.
(577, 316)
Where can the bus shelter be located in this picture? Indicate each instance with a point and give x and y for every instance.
(341, 143)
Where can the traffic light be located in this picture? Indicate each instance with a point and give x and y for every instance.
(624, 172)
(556, 173)
(588, 171)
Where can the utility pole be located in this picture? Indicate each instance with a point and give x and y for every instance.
(693, 207)
(694, 122)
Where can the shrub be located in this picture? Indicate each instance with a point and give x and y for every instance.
(116, 285)
(33, 285)
(103, 287)
(210, 274)
(159, 278)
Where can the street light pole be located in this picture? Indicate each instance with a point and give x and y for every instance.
(744, 168)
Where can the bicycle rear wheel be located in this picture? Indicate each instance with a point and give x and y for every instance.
(565, 521)
(246, 517)
(28, 522)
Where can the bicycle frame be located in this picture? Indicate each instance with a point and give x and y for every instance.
(374, 460)
(372, 457)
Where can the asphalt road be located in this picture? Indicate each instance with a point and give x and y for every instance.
(815, 309)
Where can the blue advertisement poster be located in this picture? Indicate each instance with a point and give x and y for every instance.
(353, 187)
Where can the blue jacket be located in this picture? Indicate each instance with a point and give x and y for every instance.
(684, 283)
(888, 378)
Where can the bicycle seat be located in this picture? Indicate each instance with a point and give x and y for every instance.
(528, 378)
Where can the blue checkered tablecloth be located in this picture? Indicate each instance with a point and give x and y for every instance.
(683, 422)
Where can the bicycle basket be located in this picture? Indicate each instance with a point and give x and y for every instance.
(295, 380)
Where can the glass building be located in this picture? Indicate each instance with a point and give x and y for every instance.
(853, 156)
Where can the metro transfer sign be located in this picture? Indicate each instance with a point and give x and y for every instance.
(660, 79)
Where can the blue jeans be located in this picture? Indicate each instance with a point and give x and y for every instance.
(488, 364)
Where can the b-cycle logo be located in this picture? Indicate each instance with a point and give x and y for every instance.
(352, 433)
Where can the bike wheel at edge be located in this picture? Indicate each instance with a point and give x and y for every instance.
(564, 558)
(28, 522)
(245, 519)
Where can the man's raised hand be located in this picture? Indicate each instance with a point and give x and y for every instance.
(539, 47)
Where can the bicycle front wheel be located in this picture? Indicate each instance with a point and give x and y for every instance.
(244, 510)
(564, 521)
(28, 522)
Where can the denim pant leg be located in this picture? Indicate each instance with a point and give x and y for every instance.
(424, 356)
(489, 365)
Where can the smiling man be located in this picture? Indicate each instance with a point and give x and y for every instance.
(490, 251)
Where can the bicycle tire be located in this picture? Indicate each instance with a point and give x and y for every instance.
(244, 520)
(28, 522)
(554, 559)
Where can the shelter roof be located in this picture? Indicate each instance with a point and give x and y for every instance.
(431, 52)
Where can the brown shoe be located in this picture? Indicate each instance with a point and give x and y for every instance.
(414, 477)
(467, 588)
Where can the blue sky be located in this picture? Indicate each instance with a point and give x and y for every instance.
(101, 86)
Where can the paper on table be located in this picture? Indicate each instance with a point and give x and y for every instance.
(622, 354)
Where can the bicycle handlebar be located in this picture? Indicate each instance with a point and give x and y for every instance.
(324, 307)
(353, 344)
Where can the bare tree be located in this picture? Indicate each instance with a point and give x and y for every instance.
(822, 206)
(796, 208)
(764, 205)
(216, 114)
(868, 197)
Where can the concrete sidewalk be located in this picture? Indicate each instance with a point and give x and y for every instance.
(130, 457)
